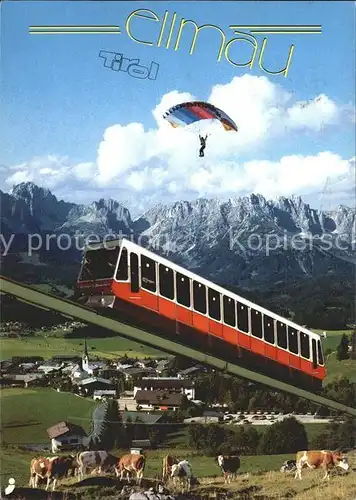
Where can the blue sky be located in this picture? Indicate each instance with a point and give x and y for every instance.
(58, 99)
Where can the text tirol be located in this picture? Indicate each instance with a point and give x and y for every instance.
(165, 34)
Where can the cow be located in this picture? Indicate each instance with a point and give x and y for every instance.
(98, 460)
(289, 466)
(229, 466)
(132, 462)
(51, 469)
(168, 461)
(182, 471)
(324, 459)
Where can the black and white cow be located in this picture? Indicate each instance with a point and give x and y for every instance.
(289, 466)
(229, 466)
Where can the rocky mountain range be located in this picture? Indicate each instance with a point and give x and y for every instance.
(250, 241)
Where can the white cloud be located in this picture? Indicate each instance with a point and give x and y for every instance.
(50, 171)
(162, 161)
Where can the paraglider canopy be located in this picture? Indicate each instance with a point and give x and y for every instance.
(194, 111)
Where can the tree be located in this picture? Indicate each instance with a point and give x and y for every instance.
(342, 351)
(337, 436)
(196, 433)
(287, 436)
(112, 429)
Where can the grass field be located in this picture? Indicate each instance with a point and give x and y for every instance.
(27, 413)
(336, 369)
(109, 347)
(258, 478)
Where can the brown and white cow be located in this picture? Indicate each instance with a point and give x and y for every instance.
(131, 463)
(229, 465)
(168, 461)
(324, 459)
(98, 460)
(52, 469)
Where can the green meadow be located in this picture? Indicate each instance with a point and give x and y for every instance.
(48, 346)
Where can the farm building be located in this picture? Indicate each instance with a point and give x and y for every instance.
(158, 400)
(169, 384)
(66, 436)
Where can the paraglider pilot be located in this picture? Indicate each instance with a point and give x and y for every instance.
(202, 144)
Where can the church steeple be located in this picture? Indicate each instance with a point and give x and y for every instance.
(85, 358)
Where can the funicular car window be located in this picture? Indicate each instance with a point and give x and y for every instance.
(256, 323)
(199, 297)
(282, 335)
(214, 304)
(293, 340)
(242, 317)
(320, 354)
(122, 273)
(148, 273)
(183, 289)
(166, 282)
(229, 311)
(304, 345)
(99, 264)
(268, 329)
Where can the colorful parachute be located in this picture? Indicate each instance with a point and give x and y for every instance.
(190, 112)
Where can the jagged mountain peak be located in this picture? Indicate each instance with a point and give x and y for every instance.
(30, 189)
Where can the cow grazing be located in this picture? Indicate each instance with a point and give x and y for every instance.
(52, 469)
(98, 460)
(323, 459)
(229, 466)
(168, 461)
(289, 466)
(182, 471)
(131, 463)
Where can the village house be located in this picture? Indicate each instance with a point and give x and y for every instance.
(133, 372)
(66, 436)
(50, 367)
(167, 384)
(91, 384)
(158, 400)
(66, 358)
(17, 360)
(6, 365)
(193, 370)
(162, 365)
(149, 418)
(146, 363)
(28, 366)
(105, 393)
(21, 379)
